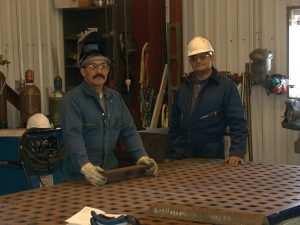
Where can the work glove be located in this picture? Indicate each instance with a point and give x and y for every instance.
(152, 168)
(94, 174)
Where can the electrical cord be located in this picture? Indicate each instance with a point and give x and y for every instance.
(41, 151)
(10, 164)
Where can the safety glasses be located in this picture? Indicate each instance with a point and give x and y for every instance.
(96, 67)
(201, 56)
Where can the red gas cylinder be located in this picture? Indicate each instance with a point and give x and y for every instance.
(30, 98)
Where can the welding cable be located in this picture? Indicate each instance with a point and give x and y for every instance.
(28, 177)
(10, 164)
(37, 156)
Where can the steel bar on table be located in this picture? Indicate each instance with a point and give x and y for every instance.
(125, 173)
(271, 190)
(208, 215)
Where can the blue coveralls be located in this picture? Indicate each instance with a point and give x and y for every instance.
(90, 134)
(200, 133)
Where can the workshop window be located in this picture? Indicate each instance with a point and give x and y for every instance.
(294, 52)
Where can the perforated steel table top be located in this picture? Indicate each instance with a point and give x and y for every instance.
(267, 189)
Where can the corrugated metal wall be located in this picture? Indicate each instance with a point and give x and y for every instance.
(29, 29)
(236, 28)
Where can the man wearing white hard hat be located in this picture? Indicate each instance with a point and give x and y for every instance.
(206, 104)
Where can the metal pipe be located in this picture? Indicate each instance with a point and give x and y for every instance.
(248, 100)
(3, 105)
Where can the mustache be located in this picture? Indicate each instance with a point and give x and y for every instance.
(98, 75)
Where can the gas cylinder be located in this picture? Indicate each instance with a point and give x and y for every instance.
(30, 98)
(55, 101)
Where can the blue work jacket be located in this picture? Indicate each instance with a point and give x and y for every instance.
(199, 133)
(91, 134)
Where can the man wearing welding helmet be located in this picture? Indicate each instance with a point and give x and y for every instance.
(206, 104)
(94, 117)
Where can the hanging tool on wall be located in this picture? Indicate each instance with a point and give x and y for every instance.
(111, 40)
(146, 92)
(276, 83)
(261, 66)
(125, 49)
(128, 54)
(128, 48)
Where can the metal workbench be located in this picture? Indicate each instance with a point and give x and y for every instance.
(272, 190)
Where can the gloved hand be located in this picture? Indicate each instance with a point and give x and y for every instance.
(94, 174)
(150, 163)
(234, 160)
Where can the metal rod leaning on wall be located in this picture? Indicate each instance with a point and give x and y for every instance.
(174, 66)
(248, 110)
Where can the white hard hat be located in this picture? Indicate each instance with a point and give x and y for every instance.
(199, 45)
(38, 120)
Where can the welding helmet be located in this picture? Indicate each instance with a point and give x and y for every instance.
(38, 120)
(261, 61)
(199, 45)
(90, 42)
